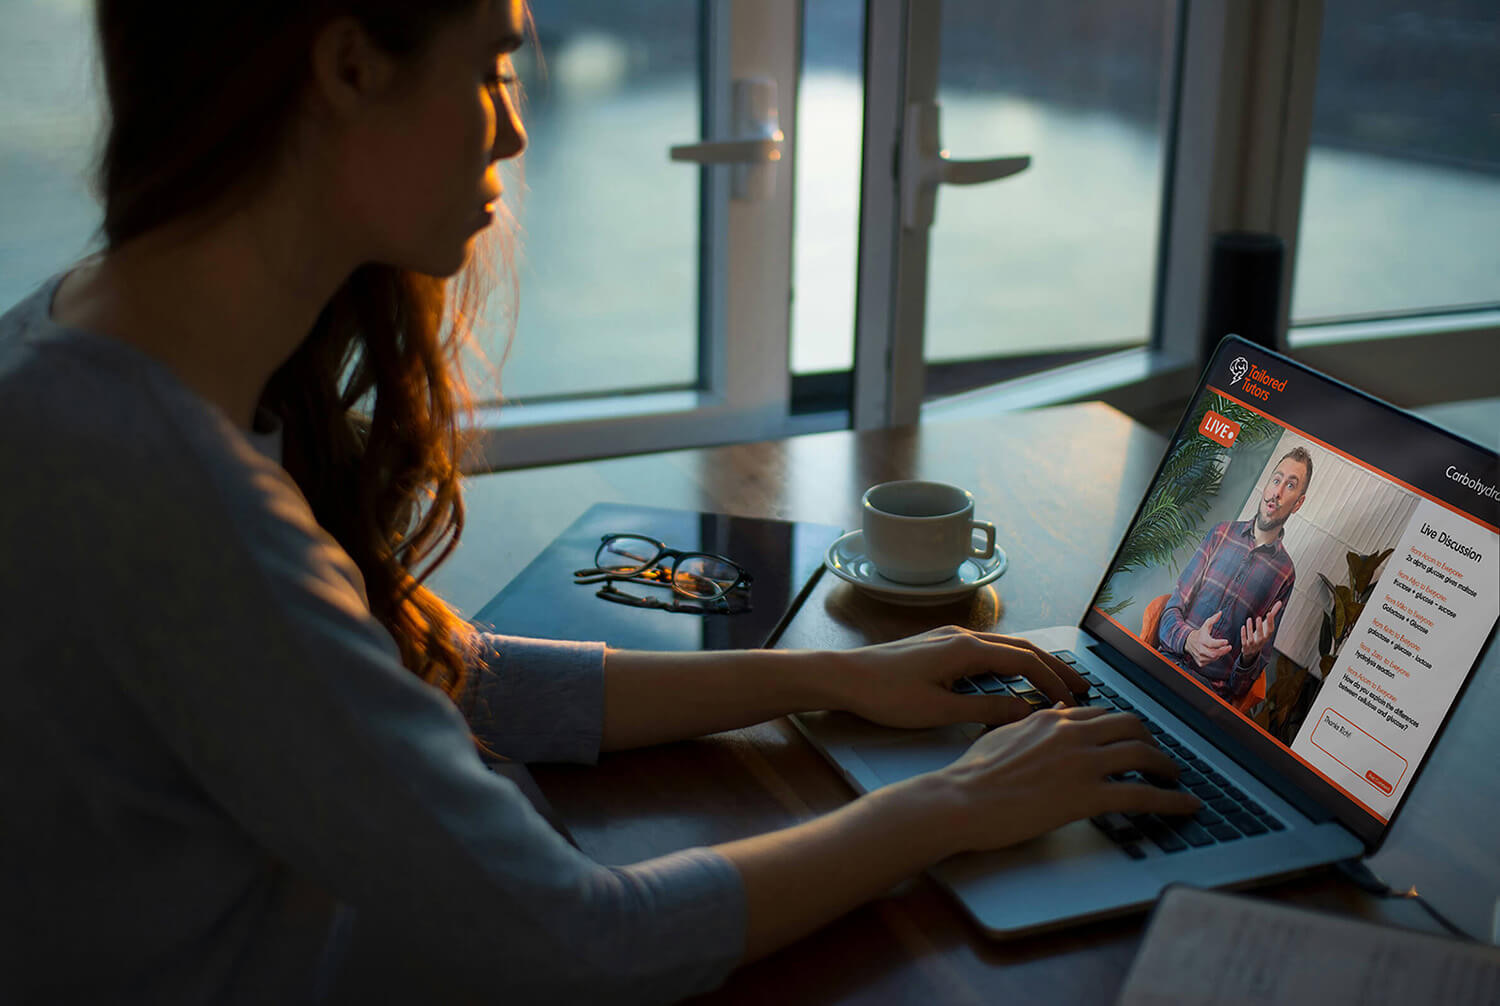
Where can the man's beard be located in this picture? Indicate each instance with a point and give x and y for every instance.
(1263, 524)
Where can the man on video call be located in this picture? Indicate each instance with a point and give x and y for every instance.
(1221, 618)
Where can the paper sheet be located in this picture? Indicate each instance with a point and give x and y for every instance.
(1207, 947)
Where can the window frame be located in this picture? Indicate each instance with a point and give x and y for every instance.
(1238, 130)
(744, 310)
(1244, 101)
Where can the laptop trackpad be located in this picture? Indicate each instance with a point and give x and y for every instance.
(895, 760)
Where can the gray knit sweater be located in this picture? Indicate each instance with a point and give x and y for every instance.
(216, 778)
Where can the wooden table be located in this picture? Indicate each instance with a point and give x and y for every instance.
(1060, 485)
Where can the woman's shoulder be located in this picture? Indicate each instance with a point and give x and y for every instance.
(96, 427)
(74, 398)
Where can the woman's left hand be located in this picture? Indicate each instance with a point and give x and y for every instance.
(909, 682)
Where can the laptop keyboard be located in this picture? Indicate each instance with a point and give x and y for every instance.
(1228, 813)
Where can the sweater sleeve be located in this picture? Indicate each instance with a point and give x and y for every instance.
(537, 700)
(287, 703)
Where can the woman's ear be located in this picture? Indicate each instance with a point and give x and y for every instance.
(349, 70)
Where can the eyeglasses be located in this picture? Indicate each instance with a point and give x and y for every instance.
(732, 604)
(702, 576)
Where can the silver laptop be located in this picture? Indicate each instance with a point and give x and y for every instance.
(1375, 536)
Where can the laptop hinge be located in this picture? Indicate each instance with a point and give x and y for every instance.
(1247, 759)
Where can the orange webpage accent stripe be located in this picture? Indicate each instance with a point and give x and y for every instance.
(1209, 692)
(1349, 457)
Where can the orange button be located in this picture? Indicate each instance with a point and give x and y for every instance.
(1379, 783)
(1218, 429)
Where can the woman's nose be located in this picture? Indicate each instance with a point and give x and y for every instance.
(510, 133)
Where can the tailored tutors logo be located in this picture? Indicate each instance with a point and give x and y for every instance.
(1252, 380)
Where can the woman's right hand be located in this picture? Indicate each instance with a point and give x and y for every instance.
(1026, 778)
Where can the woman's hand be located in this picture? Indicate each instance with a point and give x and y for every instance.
(1014, 783)
(908, 682)
(1027, 778)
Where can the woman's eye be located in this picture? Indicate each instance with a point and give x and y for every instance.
(501, 73)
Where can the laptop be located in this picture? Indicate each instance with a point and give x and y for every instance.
(1385, 572)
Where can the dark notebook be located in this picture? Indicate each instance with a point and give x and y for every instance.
(784, 557)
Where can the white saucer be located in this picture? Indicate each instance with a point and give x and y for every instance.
(846, 559)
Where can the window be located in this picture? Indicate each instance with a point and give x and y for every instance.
(1401, 203)
(830, 112)
(1393, 279)
(1061, 259)
(663, 286)
(608, 267)
(49, 118)
(664, 306)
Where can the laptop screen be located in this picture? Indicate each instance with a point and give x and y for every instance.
(1317, 571)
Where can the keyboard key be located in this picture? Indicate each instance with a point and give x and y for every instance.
(1120, 703)
(1170, 741)
(1011, 679)
(964, 686)
(1117, 827)
(1035, 700)
(1157, 830)
(1189, 778)
(1235, 791)
(1253, 807)
(1218, 779)
(1272, 823)
(1224, 805)
(1155, 728)
(1091, 677)
(988, 683)
(1100, 702)
(1108, 691)
(1246, 823)
(1202, 789)
(1192, 834)
(1110, 823)
(1066, 656)
(1223, 832)
(1134, 851)
(1206, 816)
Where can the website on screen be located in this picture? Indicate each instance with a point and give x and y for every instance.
(1326, 567)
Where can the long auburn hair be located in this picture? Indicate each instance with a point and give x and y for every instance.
(200, 102)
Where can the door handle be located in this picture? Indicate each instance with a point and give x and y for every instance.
(924, 166)
(756, 148)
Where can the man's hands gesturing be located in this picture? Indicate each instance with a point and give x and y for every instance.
(1256, 633)
(1203, 647)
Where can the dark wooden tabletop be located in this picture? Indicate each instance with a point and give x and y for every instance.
(1060, 486)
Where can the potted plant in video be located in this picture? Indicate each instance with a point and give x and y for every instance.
(1172, 516)
(1293, 689)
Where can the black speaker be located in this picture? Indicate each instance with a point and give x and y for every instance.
(1244, 288)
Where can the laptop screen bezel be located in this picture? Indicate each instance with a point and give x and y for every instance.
(1236, 726)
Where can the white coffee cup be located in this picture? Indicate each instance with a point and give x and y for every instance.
(920, 532)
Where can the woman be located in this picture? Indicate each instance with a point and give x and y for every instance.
(244, 759)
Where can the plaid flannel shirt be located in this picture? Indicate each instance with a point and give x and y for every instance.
(1228, 573)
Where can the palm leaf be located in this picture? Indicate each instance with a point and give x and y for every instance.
(1183, 493)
